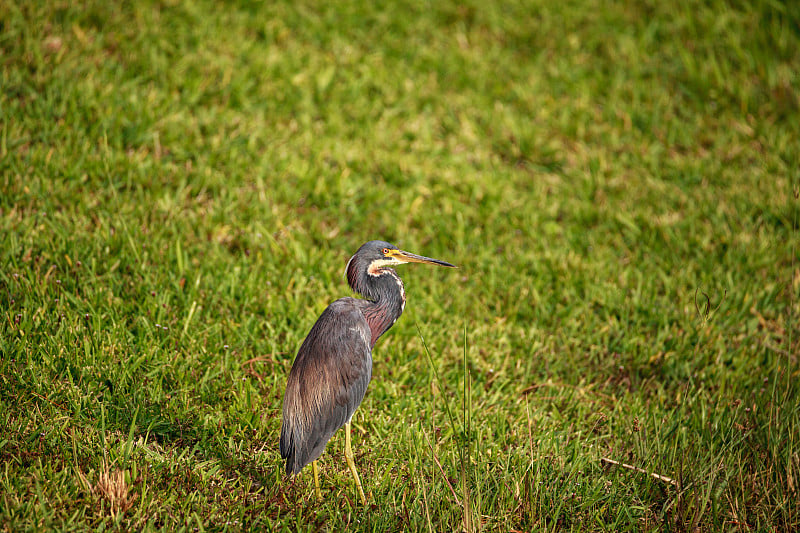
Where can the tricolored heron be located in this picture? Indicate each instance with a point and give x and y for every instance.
(334, 364)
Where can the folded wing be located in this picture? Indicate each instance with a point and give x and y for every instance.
(327, 382)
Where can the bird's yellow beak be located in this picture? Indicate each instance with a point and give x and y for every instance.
(408, 257)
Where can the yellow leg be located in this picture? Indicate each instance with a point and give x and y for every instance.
(315, 468)
(348, 455)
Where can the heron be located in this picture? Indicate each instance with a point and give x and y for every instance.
(333, 367)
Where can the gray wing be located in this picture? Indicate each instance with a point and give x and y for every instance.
(326, 384)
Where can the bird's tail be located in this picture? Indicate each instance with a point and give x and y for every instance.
(288, 448)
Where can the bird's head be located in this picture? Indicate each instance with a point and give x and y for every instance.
(374, 256)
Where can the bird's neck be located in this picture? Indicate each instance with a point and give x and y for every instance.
(384, 306)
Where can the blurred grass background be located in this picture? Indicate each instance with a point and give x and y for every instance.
(182, 183)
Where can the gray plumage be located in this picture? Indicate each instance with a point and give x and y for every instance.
(333, 367)
(324, 395)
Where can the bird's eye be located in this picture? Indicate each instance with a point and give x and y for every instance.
(385, 251)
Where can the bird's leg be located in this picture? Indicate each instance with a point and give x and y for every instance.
(315, 468)
(348, 455)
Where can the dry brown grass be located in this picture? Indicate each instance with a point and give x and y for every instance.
(111, 488)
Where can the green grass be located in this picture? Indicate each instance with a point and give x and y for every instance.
(182, 183)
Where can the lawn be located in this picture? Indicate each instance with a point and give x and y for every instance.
(183, 182)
